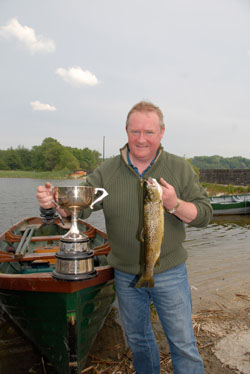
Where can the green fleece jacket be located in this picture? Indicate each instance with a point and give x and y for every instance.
(123, 209)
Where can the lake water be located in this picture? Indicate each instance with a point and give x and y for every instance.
(18, 200)
(219, 258)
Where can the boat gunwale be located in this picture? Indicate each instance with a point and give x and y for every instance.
(43, 281)
(38, 219)
(236, 204)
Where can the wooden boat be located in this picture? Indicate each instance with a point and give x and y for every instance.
(231, 204)
(62, 318)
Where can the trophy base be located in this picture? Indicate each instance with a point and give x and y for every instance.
(74, 266)
(74, 277)
(74, 246)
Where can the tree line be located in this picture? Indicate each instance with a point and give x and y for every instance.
(219, 162)
(49, 156)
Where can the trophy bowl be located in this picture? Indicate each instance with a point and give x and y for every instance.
(77, 197)
(74, 199)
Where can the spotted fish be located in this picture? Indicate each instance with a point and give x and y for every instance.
(153, 230)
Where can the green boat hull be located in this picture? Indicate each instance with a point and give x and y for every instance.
(61, 318)
(230, 204)
(63, 326)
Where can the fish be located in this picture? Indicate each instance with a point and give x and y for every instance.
(153, 230)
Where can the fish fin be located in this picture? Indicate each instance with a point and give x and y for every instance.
(157, 264)
(142, 282)
(142, 235)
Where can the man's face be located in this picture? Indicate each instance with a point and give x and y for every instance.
(144, 135)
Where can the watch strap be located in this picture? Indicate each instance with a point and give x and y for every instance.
(173, 210)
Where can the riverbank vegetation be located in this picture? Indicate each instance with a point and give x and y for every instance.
(211, 188)
(49, 156)
(53, 156)
(57, 174)
(214, 189)
(219, 162)
(52, 160)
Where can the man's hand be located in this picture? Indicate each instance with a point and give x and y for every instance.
(169, 197)
(44, 195)
(186, 211)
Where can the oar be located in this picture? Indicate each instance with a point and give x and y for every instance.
(28, 257)
(25, 241)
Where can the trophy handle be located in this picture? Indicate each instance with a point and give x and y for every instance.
(54, 199)
(104, 194)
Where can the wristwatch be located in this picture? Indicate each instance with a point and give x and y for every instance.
(173, 210)
(49, 215)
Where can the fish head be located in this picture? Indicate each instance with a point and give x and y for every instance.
(153, 190)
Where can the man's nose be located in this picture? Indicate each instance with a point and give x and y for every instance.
(141, 136)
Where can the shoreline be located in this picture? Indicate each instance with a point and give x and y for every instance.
(41, 177)
(212, 189)
(32, 174)
(220, 286)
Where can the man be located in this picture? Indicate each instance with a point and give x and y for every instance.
(185, 201)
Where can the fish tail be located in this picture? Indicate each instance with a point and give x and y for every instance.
(143, 282)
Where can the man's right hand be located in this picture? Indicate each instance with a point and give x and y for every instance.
(44, 195)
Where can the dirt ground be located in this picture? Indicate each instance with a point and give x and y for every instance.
(222, 334)
(223, 339)
(221, 320)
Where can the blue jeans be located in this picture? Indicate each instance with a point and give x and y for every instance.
(172, 299)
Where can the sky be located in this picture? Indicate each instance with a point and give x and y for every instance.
(72, 69)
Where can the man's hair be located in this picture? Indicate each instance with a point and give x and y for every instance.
(146, 106)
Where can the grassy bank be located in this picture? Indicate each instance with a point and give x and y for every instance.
(212, 188)
(215, 189)
(61, 174)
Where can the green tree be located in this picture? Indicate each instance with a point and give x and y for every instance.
(51, 155)
(78, 154)
(219, 162)
(25, 156)
(47, 155)
(91, 159)
(67, 161)
(3, 163)
(37, 158)
(197, 170)
(12, 159)
(88, 160)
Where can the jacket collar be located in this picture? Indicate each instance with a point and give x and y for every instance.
(124, 149)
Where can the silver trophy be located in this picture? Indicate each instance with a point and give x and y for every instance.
(75, 260)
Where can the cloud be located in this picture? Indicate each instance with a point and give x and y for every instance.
(26, 35)
(37, 105)
(77, 77)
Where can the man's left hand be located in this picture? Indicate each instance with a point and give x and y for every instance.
(169, 197)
